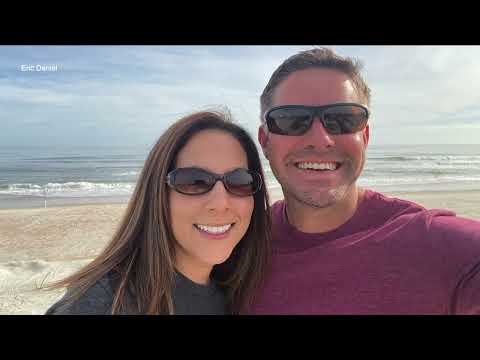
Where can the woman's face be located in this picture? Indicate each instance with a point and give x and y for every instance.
(208, 227)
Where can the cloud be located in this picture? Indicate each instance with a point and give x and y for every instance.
(425, 85)
(142, 89)
(22, 95)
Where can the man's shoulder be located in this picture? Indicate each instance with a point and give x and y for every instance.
(96, 300)
(276, 211)
(439, 223)
(376, 199)
(277, 205)
(454, 228)
(391, 208)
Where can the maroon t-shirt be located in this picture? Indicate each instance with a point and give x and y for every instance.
(392, 257)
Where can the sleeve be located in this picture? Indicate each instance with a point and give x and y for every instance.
(460, 248)
(466, 298)
(95, 301)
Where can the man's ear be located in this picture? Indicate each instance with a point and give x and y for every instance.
(263, 140)
(366, 135)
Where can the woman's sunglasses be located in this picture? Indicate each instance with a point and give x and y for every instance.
(196, 181)
(337, 119)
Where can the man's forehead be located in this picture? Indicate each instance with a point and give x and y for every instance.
(315, 87)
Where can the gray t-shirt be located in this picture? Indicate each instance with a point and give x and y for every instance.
(189, 298)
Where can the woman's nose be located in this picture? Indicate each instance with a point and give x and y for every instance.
(218, 197)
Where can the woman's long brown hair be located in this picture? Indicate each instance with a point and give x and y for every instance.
(141, 253)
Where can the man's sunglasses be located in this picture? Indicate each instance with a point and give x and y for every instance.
(337, 119)
(196, 181)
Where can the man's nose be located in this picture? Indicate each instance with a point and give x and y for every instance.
(317, 136)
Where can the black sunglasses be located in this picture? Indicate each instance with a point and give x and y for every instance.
(196, 181)
(337, 119)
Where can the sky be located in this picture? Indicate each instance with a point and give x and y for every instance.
(128, 95)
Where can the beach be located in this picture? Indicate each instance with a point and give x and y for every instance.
(41, 244)
(45, 244)
(463, 203)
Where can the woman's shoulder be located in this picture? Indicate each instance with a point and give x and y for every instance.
(97, 300)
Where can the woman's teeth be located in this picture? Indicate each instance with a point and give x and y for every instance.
(214, 229)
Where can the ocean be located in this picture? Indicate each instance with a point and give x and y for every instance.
(39, 176)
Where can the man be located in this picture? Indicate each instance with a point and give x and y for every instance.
(338, 248)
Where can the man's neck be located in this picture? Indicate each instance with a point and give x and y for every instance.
(308, 219)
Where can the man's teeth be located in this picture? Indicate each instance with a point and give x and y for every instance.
(215, 229)
(317, 166)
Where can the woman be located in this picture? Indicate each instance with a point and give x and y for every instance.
(195, 236)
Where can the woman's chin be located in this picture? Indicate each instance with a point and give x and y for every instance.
(217, 259)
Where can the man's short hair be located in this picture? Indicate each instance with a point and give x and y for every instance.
(316, 58)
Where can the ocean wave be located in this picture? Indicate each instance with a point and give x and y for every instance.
(92, 160)
(62, 158)
(67, 189)
(434, 166)
(128, 173)
(449, 158)
(386, 180)
(127, 157)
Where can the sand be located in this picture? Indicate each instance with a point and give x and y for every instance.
(48, 244)
(463, 203)
(39, 245)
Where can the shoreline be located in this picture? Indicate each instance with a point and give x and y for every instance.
(464, 202)
(76, 231)
(10, 202)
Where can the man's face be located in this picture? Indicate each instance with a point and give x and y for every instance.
(288, 154)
